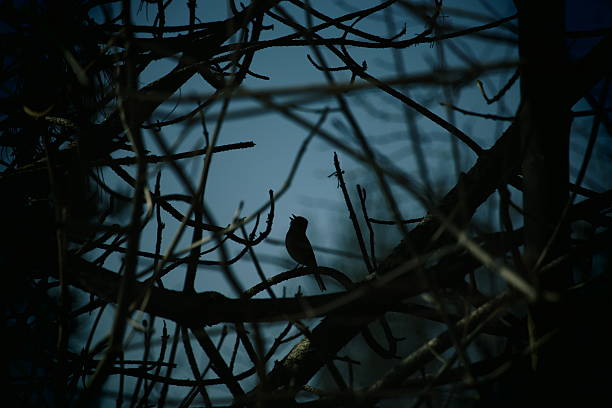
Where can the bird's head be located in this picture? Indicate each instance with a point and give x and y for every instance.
(299, 223)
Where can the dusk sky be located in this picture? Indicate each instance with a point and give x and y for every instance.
(426, 155)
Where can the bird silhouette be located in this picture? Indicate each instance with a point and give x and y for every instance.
(299, 247)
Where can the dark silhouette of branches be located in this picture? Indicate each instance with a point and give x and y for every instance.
(127, 282)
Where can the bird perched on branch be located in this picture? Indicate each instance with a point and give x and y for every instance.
(299, 247)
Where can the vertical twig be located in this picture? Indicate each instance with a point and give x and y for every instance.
(193, 364)
(162, 353)
(256, 264)
(352, 215)
(166, 386)
(362, 198)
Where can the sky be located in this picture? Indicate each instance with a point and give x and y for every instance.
(247, 175)
(242, 178)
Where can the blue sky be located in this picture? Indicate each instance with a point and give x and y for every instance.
(243, 177)
(247, 175)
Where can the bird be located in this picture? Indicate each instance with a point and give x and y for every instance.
(299, 248)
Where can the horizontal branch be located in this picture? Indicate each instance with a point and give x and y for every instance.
(208, 308)
(125, 161)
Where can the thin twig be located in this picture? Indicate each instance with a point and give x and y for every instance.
(352, 215)
(361, 192)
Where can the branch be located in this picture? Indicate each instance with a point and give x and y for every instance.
(491, 170)
(126, 161)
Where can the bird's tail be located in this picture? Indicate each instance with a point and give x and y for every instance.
(319, 279)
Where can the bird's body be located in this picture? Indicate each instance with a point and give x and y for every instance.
(299, 247)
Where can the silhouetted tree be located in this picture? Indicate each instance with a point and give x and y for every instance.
(97, 102)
